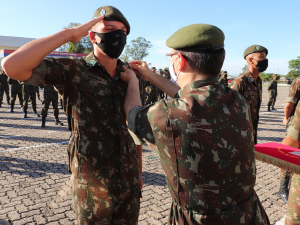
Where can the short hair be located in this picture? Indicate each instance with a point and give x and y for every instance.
(204, 62)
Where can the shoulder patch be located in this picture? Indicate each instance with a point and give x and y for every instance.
(91, 63)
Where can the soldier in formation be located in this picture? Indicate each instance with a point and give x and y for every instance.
(204, 190)
(29, 92)
(16, 90)
(50, 96)
(249, 85)
(272, 88)
(103, 159)
(223, 80)
(4, 87)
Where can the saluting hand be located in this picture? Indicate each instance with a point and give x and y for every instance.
(83, 30)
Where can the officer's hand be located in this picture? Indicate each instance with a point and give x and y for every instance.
(140, 68)
(83, 30)
(128, 75)
(284, 121)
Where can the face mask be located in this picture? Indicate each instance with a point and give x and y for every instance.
(225, 76)
(262, 65)
(172, 73)
(112, 43)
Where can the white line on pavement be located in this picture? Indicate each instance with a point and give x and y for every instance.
(52, 131)
(16, 149)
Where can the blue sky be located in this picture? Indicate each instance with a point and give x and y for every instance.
(273, 24)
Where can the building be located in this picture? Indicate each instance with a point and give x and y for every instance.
(10, 44)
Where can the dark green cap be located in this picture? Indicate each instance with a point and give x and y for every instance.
(255, 48)
(197, 36)
(112, 14)
(225, 72)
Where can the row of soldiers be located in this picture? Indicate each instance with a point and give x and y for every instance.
(26, 92)
(149, 93)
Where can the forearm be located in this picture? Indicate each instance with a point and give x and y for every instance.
(288, 108)
(163, 84)
(133, 96)
(19, 65)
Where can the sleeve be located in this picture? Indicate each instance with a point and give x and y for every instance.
(237, 85)
(294, 129)
(294, 92)
(270, 85)
(143, 122)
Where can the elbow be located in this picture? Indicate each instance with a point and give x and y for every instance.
(9, 68)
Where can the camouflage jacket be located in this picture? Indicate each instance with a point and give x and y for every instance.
(15, 85)
(294, 94)
(272, 88)
(101, 152)
(50, 93)
(223, 81)
(205, 143)
(3, 81)
(293, 129)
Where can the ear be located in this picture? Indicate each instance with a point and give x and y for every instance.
(181, 62)
(93, 37)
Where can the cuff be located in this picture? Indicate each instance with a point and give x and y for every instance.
(132, 116)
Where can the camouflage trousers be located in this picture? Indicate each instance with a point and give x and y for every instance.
(46, 104)
(105, 207)
(293, 210)
(272, 100)
(2, 93)
(32, 97)
(14, 97)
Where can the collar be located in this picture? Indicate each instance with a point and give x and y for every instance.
(248, 74)
(197, 84)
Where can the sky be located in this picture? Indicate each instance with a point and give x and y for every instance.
(272, 24)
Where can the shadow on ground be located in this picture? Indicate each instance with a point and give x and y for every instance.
(155, 179)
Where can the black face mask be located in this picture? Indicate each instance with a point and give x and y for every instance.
(262, 65)
(112, 43)
(225, 76)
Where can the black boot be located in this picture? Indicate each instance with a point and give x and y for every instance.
(25, 113)
(273, 107)
(269, 110)
(283, 190)
(11, 107)
(43, 121)
(35, 113)
(8, 101)
(57, 122)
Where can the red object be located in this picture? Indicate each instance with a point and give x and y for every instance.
(229, 81)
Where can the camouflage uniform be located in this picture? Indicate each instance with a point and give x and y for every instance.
(223, 81)
(293, 210)
(251, 90)
(29, 91)
(102, 155)
(16, 90)
(272, 88)
(152, 94)
(209, 171)
(4, 88)
(142, 86)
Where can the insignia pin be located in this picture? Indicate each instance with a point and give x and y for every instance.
(102, 12)
(257, 47)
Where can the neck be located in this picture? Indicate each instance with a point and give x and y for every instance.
(109, 63)
(186, 78)
(254, 72)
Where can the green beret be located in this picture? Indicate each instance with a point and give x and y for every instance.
(255, 48)
(197, 36)
(166, 69)
(112, 14)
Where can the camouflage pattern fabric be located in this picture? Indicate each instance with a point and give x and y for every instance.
(29, 91)
(251, 90)
(142, 86)
(102, 156)
(4, 88)
(293, 210)
(272, 88)
(205, 142)
(293, 97)
(50, 95)
(223, 81)
(16, 90)
(152, 94)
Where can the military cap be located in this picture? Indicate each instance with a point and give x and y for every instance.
(112, 14)
(225, 72)
(255, 48)
(166, 69)
(153, 68)
(200, 36)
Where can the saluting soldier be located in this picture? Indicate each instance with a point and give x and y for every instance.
(249, 85)
(223, 80)
(50, 96)
(203, 135)
(272, 88)
(4, 88)
(16, 90)
(29, 92)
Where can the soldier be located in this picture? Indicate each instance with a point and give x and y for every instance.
(103, 159)
(223, 80)
(166, 74)
(4, 87)
(29, 91)
(203, 136)
(249, 85)
(293, 139)
(272, 88)
(16, 90)
(50, 95)
(152, 94)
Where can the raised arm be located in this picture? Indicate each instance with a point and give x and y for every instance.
(141, 68)
(19, 65)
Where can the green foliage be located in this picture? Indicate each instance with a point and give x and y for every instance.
(136, 50)
(293, 74)
(266, 76)
(294, 65)
(84, 46)
(244, 69)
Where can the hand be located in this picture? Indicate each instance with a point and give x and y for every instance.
(127, 75)
(284, 121)
(140, 68)
(83, 30)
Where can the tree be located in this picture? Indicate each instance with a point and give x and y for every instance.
(244, 69)
(294, 66)
(84, 46)
(136, 50)
(293, 74)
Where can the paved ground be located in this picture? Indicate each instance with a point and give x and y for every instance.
(34, 181)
